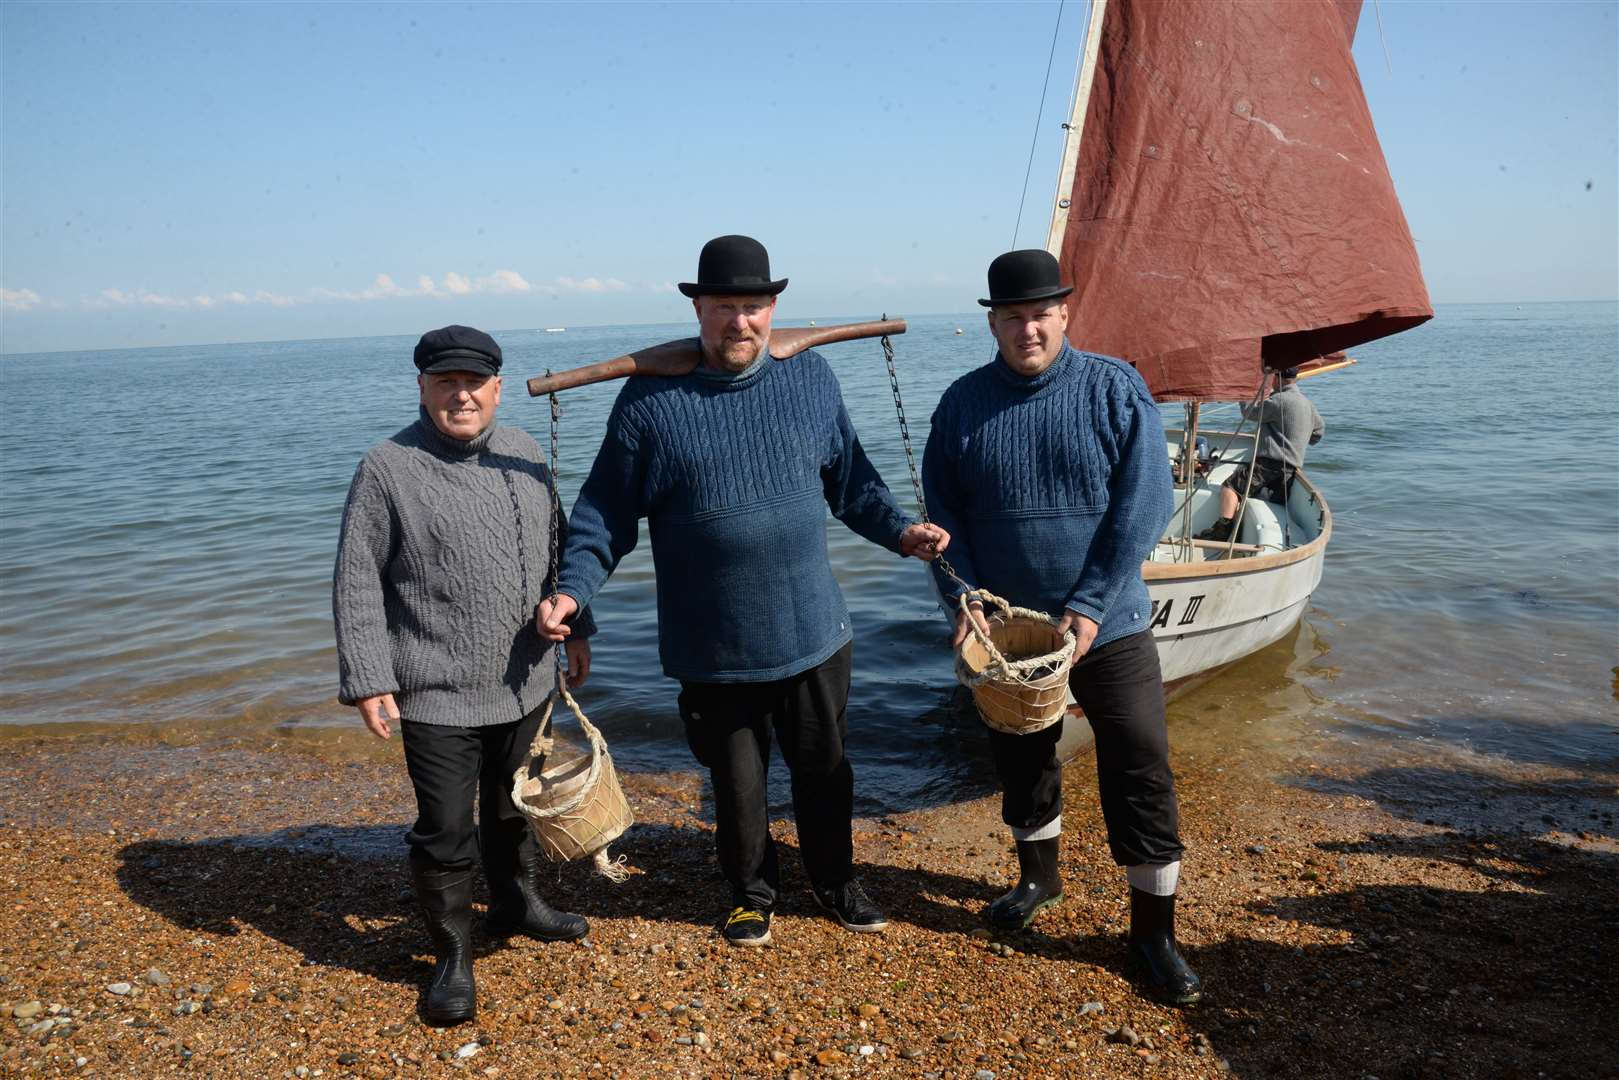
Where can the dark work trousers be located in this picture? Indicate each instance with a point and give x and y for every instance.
(449, 766)
(728, 728)
(1121, 689)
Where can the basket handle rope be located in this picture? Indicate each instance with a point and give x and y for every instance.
(540, 747)
(1018, 671)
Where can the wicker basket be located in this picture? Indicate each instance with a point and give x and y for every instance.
(575, 806)
(1018, 672)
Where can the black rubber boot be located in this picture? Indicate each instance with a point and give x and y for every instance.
(446, 899)
(1220, 531)
(515, 904)
(1152, 950)
(1039, 885)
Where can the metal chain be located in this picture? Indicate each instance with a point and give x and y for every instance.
(910, 456)
(556, 490)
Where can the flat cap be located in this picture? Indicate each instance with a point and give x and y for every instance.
(457, 348)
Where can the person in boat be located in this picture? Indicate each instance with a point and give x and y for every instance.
(443, 555)
(1047, 466)
(1288, 422)
(735, 466)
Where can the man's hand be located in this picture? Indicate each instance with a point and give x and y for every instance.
(578, 653)
(977, 612)
(550, 617)
(924, 541)
(379, 713)
(1084, 629)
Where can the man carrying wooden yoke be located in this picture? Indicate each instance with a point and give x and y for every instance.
(735, 466)
(1048, 467)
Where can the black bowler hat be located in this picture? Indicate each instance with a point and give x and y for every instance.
(457, 348)
(1019, 277)
(733, 266)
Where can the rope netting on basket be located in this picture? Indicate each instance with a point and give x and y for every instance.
(1018, 670)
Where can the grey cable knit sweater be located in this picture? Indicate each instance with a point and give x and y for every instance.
(1288, 423)
(443, 555)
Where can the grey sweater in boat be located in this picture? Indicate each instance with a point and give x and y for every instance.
(1288, 423)
(444, 553)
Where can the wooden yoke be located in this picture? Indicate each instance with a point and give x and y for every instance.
(681, 357)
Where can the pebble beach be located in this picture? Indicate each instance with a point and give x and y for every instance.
(216, 910)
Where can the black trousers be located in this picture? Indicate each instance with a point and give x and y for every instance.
(1121, 689)
(728, 727)
(449, 767)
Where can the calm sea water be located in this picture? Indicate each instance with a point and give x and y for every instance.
(169, 516)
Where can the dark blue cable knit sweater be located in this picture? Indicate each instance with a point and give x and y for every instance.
(734, 474)
(1054, 488)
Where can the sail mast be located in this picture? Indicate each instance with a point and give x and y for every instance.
(1076, 126)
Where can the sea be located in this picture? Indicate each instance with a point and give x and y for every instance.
(168, 518)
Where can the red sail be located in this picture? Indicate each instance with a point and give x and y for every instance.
(1230, 205)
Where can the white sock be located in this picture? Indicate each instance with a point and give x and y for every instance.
(1157, 879)
(1050, 830)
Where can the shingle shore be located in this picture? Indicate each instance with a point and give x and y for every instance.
(221, 911)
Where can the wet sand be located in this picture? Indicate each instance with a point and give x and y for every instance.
(226, 911)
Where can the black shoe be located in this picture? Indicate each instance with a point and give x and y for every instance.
(853, 909)
(1039, 886)
(446, 900)
(1219, 532)
(515, 904)
(747, 927)
(1152, 951)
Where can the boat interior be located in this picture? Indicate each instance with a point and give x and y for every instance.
(1263, 528)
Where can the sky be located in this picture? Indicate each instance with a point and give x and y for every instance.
(185, 174)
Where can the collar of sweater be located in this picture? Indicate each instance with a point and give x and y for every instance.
(1066, 362)
(436, 440)
(736, 380)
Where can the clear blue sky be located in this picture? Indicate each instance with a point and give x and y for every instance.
(184, 174)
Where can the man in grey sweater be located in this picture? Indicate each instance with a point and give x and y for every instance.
(444, 553)
(1288, 423)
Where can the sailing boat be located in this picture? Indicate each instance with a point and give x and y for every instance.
(1224, 211)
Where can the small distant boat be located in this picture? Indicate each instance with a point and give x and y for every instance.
(555, 329)
(812, 322)
(958, 329)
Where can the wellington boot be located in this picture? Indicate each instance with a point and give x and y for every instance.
(1219, 532)
(446, 900)
(1039, 886)
(515, 904)
(1152, 952)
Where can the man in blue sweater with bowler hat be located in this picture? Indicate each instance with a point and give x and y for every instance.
(734, 466)
(1048, 467)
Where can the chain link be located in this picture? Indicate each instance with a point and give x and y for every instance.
(910, 456)
(556, 509)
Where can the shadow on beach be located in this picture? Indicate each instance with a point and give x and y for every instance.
(340, 895)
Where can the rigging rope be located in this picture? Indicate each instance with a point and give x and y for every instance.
(1039, 113)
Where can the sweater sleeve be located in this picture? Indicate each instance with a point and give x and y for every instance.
(366, 542)
(855, 493)
(584, 622)
(1140, 501)
(605, 523)
(947, 505)
(1318, 426)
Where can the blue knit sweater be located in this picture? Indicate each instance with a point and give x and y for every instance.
(734, 474)
(1054, 488)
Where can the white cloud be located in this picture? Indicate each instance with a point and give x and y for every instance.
(382, 287)
(590, 285)
(504, 281)
(664, 287)
(18, 299)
